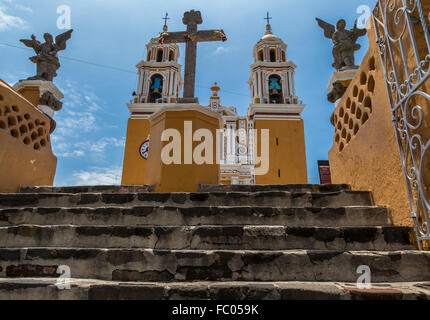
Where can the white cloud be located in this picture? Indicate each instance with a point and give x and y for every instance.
(98, 176)
(12, 79)
(220, 50)
(101, 145)
(9, 21)
(78, 113)
(80, 149)
(23, 8)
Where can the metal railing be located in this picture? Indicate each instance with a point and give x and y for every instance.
(402, 36)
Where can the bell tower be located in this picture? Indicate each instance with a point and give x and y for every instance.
(159, 85)
(276, 107)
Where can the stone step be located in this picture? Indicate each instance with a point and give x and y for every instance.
(179, 216)
(208, 237)
(86, 189)
(202, 188)
(268, 199)
(315, 188)
(149, 265)
(89, 289)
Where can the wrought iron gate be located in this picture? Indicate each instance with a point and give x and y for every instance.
(402, 35)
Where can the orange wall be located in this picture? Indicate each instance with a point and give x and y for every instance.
(365, 151)
(183, 177)
(26, 156)
(32, 94)
(134, 165)
(289, 156)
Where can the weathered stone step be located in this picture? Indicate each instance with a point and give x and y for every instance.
(149, 265)
(269, 199)
(202, 188)
(87, 289)
(315, 188)
(208, 237)
(86, 189)
(179, 216)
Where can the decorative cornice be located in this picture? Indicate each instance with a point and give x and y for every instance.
(187, 107)
(276, 109)
(44, 86)
(266, 64)
(341, 76)
(145, 108)
(154, 64)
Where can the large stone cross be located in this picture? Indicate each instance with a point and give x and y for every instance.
(191, 37)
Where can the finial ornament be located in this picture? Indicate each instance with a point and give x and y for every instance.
(166, 17)
(268, 26)
(215, 89)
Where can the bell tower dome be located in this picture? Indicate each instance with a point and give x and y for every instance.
(160, 79)
(272, 76)
(275, 107)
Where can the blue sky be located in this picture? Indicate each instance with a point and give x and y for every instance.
(91, 128)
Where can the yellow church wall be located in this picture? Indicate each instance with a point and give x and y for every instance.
(26, 157)
(289, 156)
(134, 167)
(365, 151)
(180, 177)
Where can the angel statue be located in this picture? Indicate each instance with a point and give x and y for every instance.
(345, 43)
(46, 57)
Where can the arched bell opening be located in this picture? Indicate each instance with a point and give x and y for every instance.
(275, 90)
(171, 56)
(272, 55)
(160, 55)
(156, 89)
(260, 55)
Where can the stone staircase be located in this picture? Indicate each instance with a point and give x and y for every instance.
(223, 242)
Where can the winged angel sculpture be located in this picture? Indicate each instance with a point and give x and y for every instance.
(345, 43)
(46, 58)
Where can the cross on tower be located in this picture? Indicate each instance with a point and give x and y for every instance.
(166, 18)
(191, 37)
(268, 18)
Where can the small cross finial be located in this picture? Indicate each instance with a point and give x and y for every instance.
(166, 18)
(268, 26)
(268, 18)
(165, 22)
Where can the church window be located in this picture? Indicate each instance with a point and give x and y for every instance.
(272, 55)
(159, 55)
(275, 90)
(148, 57)
(171, 56)
(156, 89)
(260, 55)
(283, 56)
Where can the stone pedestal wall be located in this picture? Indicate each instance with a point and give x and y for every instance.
(182, 177)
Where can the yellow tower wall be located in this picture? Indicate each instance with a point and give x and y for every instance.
(181, 177)
(134, 167)
(288, 156)
(26, 157)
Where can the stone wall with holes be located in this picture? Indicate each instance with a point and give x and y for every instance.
(26, 156)
(365, 151)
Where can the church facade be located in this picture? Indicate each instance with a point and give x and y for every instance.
(274, 108)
